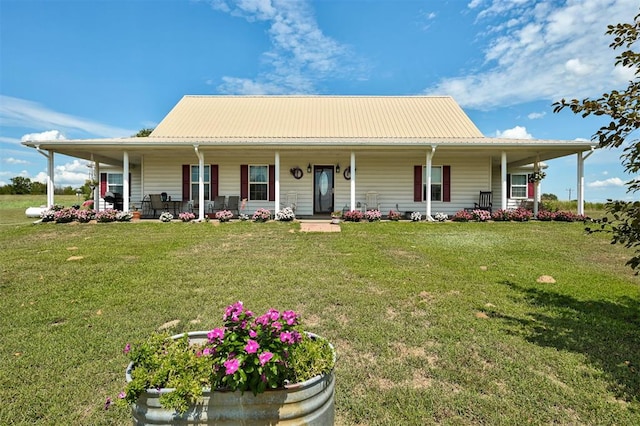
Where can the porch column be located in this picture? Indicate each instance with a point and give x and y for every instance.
(96, 190)
(503, 180)
(200, 183)
(353, 180)
(277, 183)
(428, 183)
(50, 174)
(125, 182)
(536, 186)
(581, 179)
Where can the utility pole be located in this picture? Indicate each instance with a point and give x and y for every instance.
(569, 191)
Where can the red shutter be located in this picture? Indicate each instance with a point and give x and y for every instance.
(529, 187)
(213, 174)
(508, 185)
(272, 182)
(186, 182)
(103, 184)
(417, 183)
(446, 183)
(244, 182)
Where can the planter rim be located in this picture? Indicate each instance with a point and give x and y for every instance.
(297, 386)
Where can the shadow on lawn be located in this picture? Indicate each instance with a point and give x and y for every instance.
(606, 332)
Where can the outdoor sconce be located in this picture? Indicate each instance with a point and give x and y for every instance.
(338, 168)
(309, 168)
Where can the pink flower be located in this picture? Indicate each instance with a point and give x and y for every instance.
(290, 317)
(216, 333)
(207, 351)
(122, 395)
(253, 334)
(231, 366)
(127, 348)
(107, 403)
(277, 326)
(265, 357)
(287, 337)
(251, 347)
(273, 314)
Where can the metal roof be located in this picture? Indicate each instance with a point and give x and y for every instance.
(272, 118)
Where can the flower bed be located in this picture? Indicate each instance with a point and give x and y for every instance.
(373, 215)
(286, 215)
(353, 216)
(224, 215)
(261, 215)
(394, 215)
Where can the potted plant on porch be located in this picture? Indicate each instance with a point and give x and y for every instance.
(335, 217)
(262, 369)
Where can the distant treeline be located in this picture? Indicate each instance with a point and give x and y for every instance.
(21, 185)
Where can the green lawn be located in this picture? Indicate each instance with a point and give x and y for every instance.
(434, 323)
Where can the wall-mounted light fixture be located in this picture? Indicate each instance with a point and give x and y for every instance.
(338, 168)
(309, 168)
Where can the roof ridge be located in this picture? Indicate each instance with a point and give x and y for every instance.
(318, 96)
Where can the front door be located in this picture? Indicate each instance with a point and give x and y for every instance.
(322, 189)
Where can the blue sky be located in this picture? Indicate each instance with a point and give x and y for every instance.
(107, 68)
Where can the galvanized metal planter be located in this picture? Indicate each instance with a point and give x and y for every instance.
(307, 403)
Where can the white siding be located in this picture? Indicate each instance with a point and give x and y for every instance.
(385, 172)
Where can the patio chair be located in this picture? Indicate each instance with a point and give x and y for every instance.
(371, 201)
(156, 204)
(234, 204)
(218, 203)
(484, 201)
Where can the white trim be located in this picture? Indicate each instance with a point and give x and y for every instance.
(503, 178)
(276, 183)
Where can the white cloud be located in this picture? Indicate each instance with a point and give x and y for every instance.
(15, 112)
(300, 55)
(541, 51)
(49, 135)
(536, 115)
(12, 160)
(518, 132)
(611, 182)
(72, 174)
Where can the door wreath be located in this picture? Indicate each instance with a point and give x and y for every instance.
(297, 172)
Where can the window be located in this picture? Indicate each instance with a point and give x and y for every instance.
(115, 183)
(258, 183)
(519, 186)
(195, 177)
(436, 183)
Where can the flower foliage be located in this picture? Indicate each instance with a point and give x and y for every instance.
(500, 215)
(537, 176)
(394, 215)
(224, 215)
(520, 215)
(353, 216)
(123, 216)
(186, 216)
(248, 353)
(85, 216)
(441, 217)
(108, 215)
(286, 214)
(65, 215)
(261, 215)
(243, 217)
(166, 217)
(373, 215)
(462, 216)
(417, 216)
(481, 215)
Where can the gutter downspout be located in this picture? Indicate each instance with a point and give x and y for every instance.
(581, 179)
(50, 176)
(200, 183)
(428, 196)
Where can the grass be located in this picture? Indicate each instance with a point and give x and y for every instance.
(434, 323)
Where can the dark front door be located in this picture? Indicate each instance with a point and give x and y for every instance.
(322, 189)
